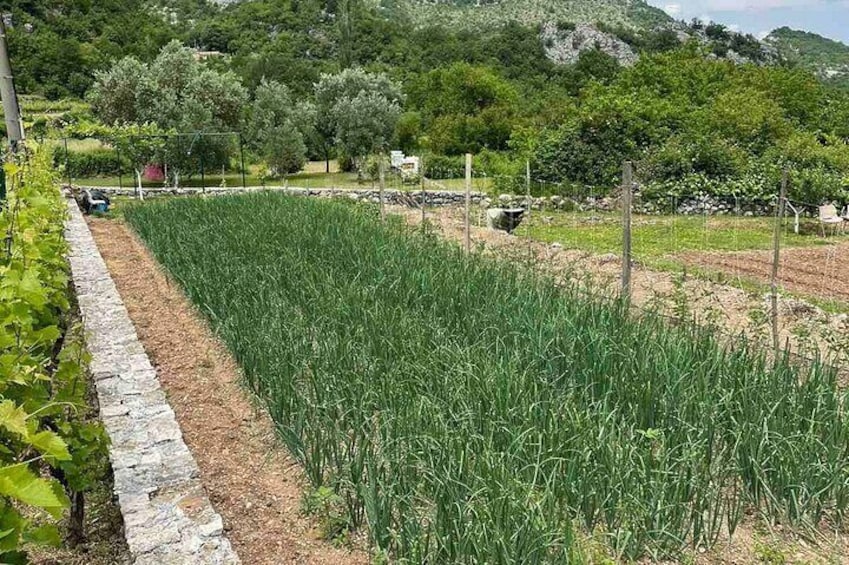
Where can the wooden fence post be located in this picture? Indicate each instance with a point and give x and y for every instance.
(382, 179)
(468, 202)
(422, 177)
(627, 187)
(776, 246)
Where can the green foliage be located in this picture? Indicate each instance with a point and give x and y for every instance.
(468, 410)
(100, 162)
(70, 40)
(272, 129)
(813, 52)
(478, 16)
(178, 93)
(45, 423)
(705, 126)
(358, 110)
(465, 109)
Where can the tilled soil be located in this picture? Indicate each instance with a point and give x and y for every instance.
(251, 480)
(821, 272)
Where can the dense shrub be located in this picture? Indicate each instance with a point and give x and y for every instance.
(94, 163)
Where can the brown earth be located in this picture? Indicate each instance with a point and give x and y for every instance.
(249, 477)
(821, 272)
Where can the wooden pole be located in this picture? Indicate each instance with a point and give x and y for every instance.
(468, 202)
(11, 109)
(528, 203)
(422, 177)
(242, 161)
(68, 164)
(627, 186)
(776, 246)
(382, 180)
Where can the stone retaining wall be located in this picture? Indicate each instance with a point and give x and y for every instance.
(168, 518)
(713, 206)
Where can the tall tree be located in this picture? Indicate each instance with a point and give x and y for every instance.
(273, 130)
(178, 93)
(357, 111)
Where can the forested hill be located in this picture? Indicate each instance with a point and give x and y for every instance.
(58, 46)
(826, 57)
(481, 14)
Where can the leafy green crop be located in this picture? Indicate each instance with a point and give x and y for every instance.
(467, 411)
(45, 425)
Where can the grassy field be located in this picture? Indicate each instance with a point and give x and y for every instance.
(342, 181)
(313, 176)
(654, 237)
(468, 412)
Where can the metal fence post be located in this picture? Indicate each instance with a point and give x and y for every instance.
(776, 245)
(120, 168)
(202, 174)
(627, 186)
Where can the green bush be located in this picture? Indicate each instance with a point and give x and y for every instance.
(94, 163)
(444, 167)
(682, 156)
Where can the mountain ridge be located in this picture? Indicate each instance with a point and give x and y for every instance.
(826, 57)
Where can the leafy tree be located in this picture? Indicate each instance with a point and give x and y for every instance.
(465, 108)
(272, 129)
(141, 144)
(365, 124)
(175, 92)
(357, 111)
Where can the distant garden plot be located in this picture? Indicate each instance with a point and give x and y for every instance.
(461, 410)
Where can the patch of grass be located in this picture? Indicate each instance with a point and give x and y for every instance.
(466, 410)
(654, 237)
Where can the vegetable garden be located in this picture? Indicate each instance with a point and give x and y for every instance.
(463, 410)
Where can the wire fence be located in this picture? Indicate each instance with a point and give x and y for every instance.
(138, 163)
(769, 269)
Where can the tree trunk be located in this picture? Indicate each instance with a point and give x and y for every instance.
(76, 520)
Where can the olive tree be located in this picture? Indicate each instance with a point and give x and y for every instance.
(357, 112)
(274, 129)
(175, 92)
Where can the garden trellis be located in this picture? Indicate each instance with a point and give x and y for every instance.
(191, 159)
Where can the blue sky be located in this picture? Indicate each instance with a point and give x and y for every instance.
(825, 17)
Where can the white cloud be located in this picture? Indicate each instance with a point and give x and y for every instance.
(734, 27)
(762, 35)
(753, 5)
(674, 9)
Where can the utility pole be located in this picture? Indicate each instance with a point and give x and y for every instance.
(14, 124)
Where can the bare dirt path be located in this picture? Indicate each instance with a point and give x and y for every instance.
(250, 479)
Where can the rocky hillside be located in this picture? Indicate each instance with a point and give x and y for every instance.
(477, 14)
(828, 58)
